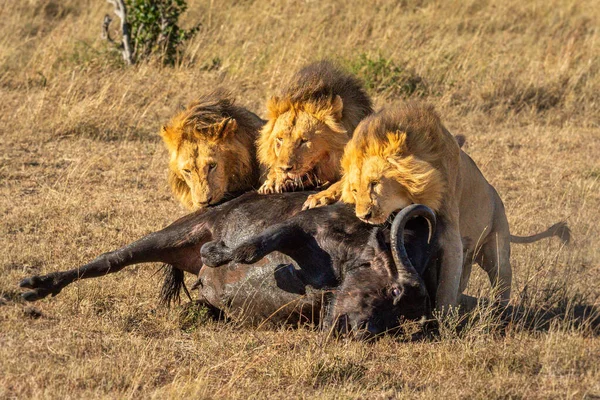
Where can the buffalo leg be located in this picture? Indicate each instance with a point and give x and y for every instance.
(173, 245)
(282, 237)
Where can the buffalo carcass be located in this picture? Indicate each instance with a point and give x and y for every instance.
(287, 265)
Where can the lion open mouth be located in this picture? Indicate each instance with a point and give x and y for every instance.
(308, 180)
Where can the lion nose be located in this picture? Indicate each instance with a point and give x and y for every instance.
(205, 202)
(286, 168)
(365, 216)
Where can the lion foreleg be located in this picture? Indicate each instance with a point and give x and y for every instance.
(450, 270)
(325, 197)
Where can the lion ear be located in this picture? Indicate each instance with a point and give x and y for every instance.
(337, 107)
(273, 107)
(170, 138)
(396, 144)
(332, 115)
(227, 127)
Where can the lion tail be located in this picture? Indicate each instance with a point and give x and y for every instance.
(560, 230)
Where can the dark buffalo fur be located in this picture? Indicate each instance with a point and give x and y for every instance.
(283, 265)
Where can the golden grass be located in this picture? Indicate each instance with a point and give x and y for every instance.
(82, 171)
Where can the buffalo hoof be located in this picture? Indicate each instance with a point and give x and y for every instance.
(215, 254)
(42, 287)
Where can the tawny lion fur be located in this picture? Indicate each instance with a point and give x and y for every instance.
(308, 126)
(405, 155)
(212, 150)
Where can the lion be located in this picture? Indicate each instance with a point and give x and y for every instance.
(212, 150)
(308, 126)
(404, 155)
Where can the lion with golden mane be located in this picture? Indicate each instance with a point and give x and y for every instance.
(404, 155)
(212, 150)
(308, 126)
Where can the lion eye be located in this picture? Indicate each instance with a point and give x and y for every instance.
(373, 184)
(212, 166)
(279, 140)
(187, 171)
(303, 140)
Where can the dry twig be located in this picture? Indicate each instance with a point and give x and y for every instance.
(121, 12)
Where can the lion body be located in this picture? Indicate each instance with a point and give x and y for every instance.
(405, 155)
(212, 150)
(308, 126)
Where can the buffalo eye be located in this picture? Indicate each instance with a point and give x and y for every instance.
(396, 292)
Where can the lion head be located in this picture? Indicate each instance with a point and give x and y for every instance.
(396, 159)
(212, 152)
(309, 125)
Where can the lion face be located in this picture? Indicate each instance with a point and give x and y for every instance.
(373, 190)
(385, 175)
(212, 150)
(205, 168)
(200, 166)
(298, 144)
(301, 142)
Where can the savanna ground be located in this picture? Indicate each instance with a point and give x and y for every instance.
(82, 171)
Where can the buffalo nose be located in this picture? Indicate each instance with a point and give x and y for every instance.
(286, 168)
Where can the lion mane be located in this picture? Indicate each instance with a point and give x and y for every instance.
(214, 121)
(413, 140)
(329, 95)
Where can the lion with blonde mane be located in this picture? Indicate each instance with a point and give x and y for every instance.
(308, 126)
(212, 150)
(404, 155)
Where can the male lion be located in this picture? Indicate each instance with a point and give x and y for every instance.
(405, 155)
(308, 126)
(212, 150)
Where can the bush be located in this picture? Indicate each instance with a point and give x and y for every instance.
(154, 29)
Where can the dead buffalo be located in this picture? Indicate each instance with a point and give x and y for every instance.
(286, 265)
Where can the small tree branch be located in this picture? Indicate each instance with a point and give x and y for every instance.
(105, 27)
(121, 12)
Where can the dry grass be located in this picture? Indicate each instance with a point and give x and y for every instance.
(82, 171)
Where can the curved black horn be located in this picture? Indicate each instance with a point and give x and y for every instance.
(397, 233)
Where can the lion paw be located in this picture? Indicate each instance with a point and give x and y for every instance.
(278, 185)
(318, 200)
(269, 187)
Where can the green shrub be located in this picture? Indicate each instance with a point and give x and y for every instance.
(154, 29)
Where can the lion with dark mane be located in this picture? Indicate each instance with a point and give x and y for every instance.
(404, 155)
(308, 126)
(212, 150)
